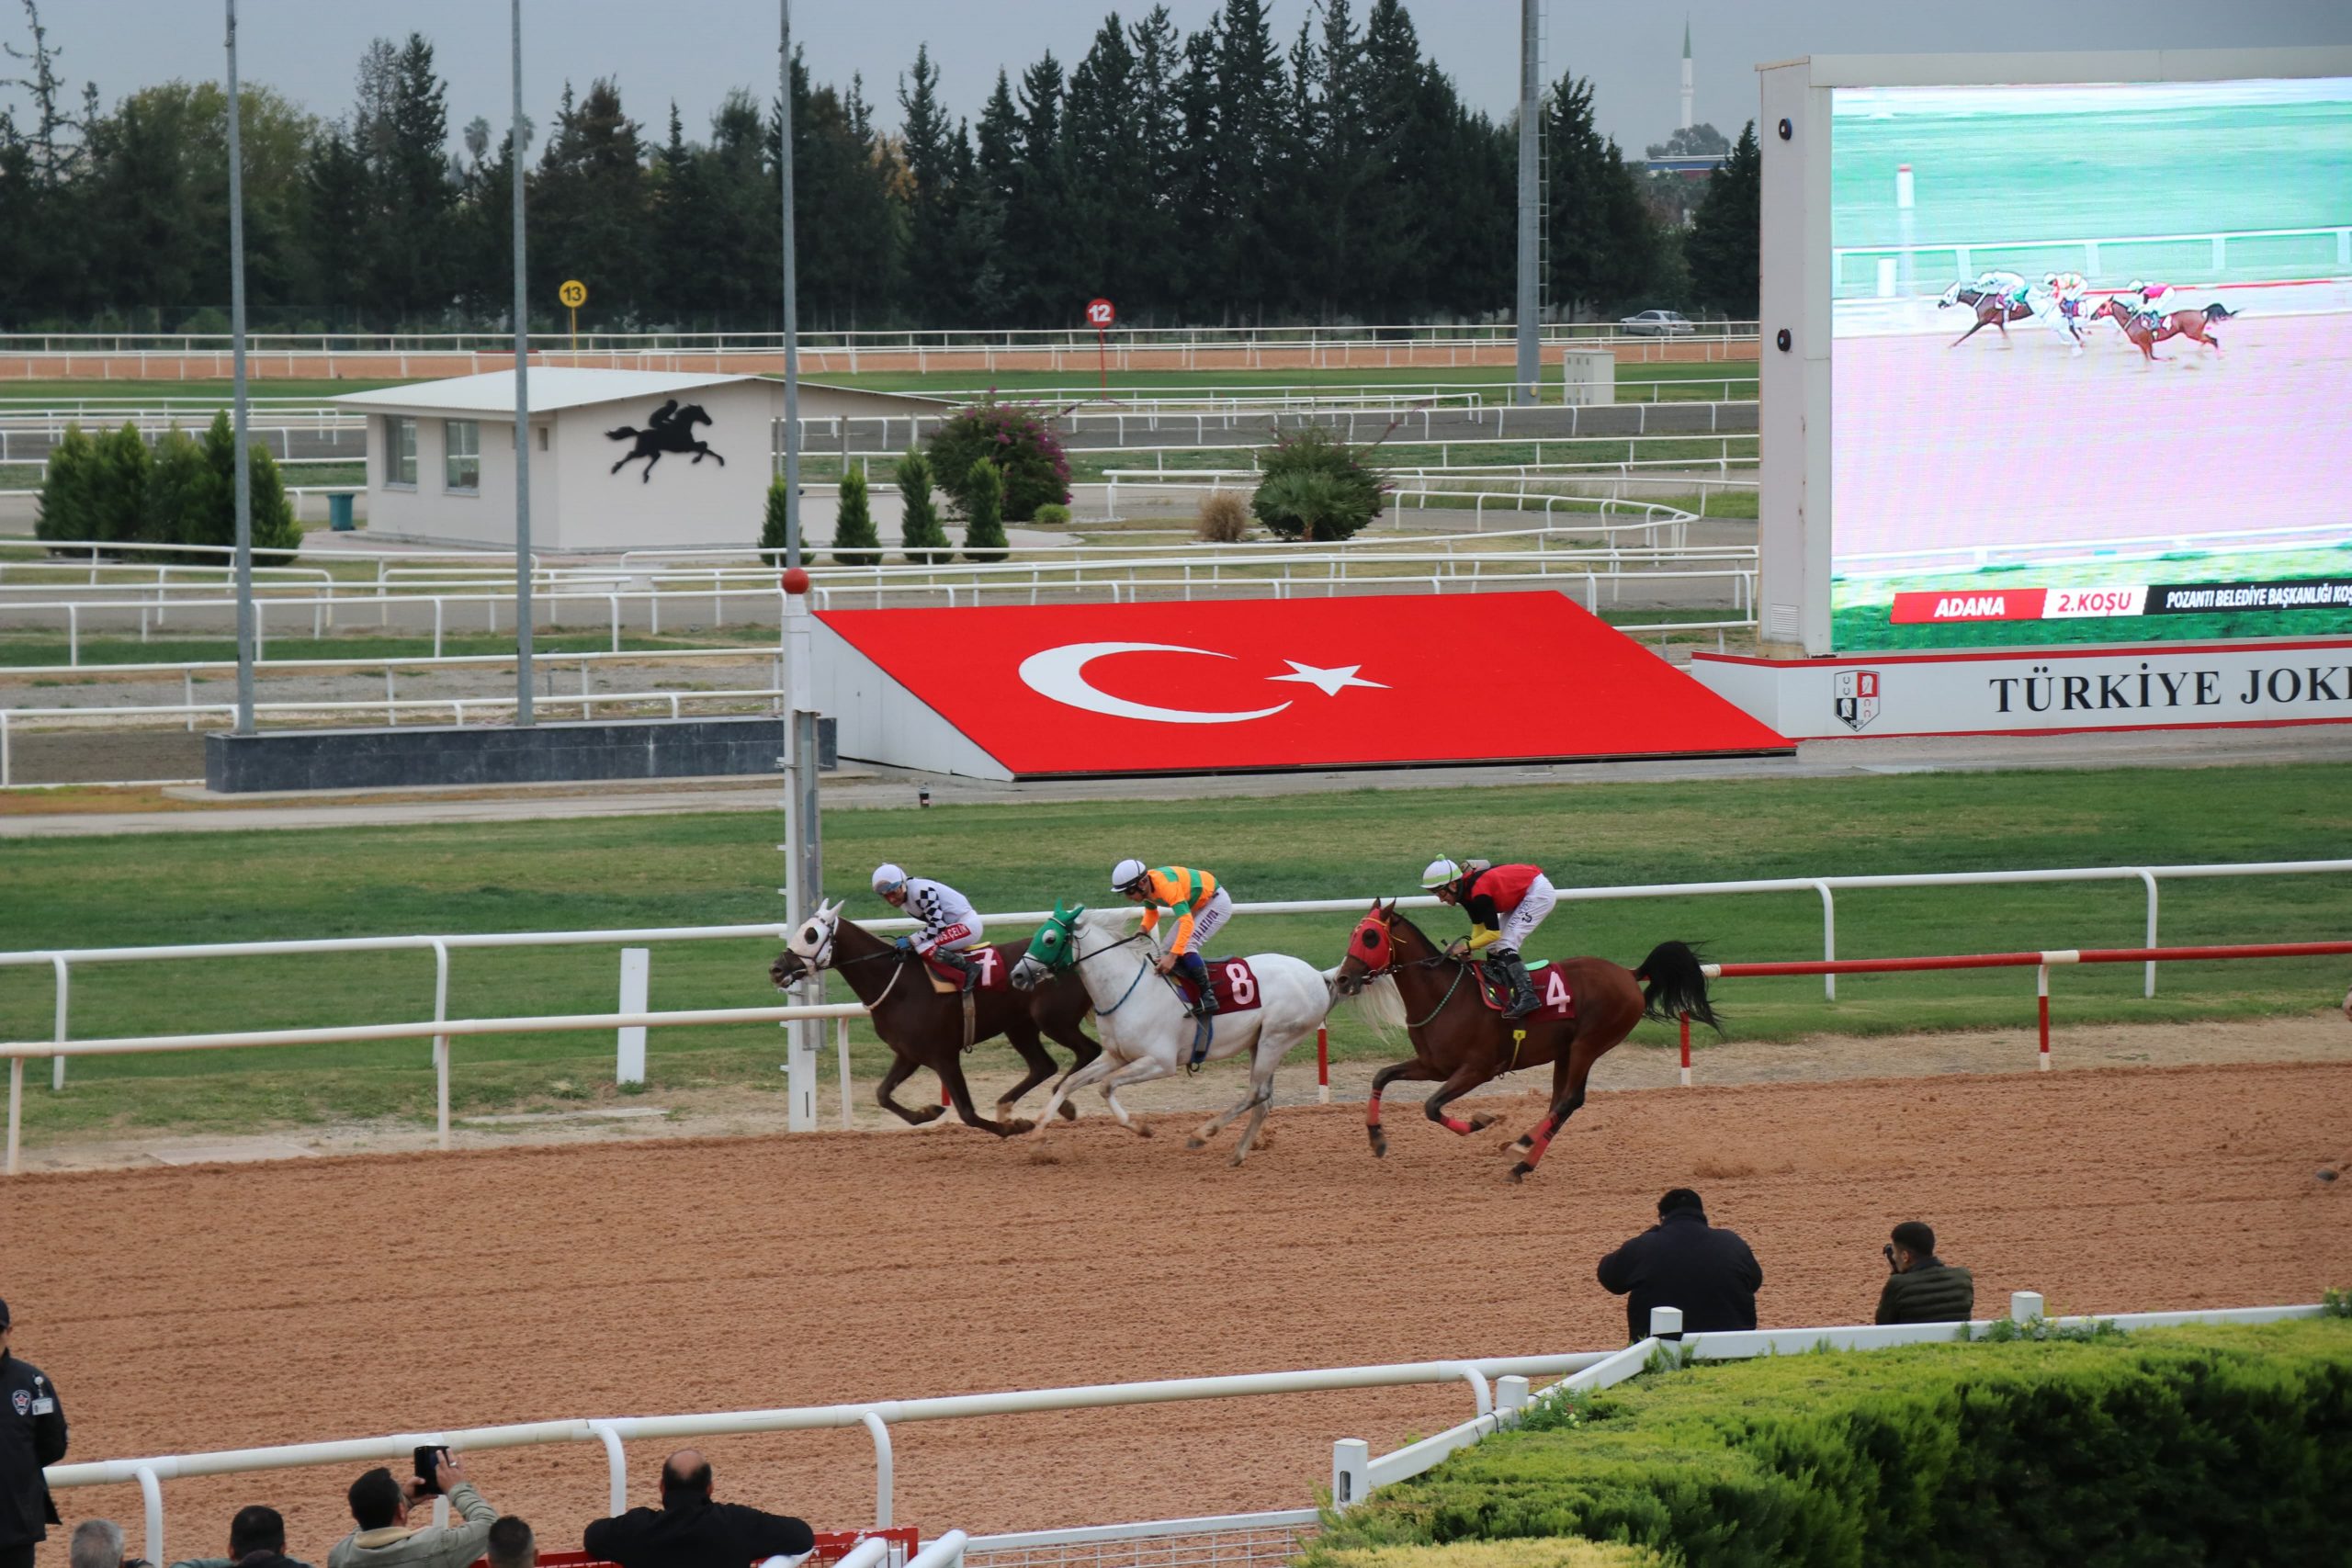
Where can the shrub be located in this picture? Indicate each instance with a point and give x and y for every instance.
(920, 535)
(209, 516)
(1223, 519)
(855, 543)
(183, 484)
(120, 471)
(67, 489)
(984, 534)
(1552, 1552)
(1343, 498)
(1053, 515)
(1017, 440)
(2043, 1451)
(775, 523)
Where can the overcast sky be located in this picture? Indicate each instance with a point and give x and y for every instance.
(694, 51)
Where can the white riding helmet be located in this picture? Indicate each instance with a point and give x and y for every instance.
(2135, 287)
(2050, 277)
(888, 878)
(1126, 873)
(1441, 872)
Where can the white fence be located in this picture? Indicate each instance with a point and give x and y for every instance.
(2320, 249)
(60, 962)
(1499, 1389)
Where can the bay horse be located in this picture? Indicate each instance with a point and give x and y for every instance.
(1990, 311)
(925, 1028)
(1459, 1042)
(2194, 324)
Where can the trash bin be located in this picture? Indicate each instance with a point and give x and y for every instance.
(339, 511)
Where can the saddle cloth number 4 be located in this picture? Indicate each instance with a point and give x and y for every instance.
(1555, 993)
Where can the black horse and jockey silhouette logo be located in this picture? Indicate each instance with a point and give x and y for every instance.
(669, 428)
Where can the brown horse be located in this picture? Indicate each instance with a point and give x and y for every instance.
(2194, 324)
(925, 1028)
(1990, 311)
(1460, 1043)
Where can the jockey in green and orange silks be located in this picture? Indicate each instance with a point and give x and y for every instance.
(1199, 906)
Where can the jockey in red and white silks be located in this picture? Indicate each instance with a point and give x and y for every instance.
(949, 924)
(1505, 904)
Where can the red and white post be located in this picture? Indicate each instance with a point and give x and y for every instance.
(2041, 1006)
(1099, 314)
(1322, 1064)
(1685, 1019)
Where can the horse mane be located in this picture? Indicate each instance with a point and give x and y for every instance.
(1380, 1004)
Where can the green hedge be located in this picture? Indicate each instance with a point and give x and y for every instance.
(2204, 1445)
(1551, 1553)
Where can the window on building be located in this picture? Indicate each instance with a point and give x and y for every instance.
(400, 452)
(462, 455)
(543, 438)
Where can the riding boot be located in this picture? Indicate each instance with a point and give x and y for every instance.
(1197, 967)
(1522, 989)
(959, 961)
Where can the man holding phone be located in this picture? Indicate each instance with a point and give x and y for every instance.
(379, 1506)
(1921, 1287)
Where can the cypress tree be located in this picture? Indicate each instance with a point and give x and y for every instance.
(920, 535)
(984, 513)
(1723, 238)
(855, 543)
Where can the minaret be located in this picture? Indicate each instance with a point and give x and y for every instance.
(1686, 72)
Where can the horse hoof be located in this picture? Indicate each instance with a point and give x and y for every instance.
(1070, 1112)
(1520, 1172)
(930, 1113)
(1379, 1148)
(1522, 1142)
(1017, 1126)
(1197, 1141)
(1142, 1130)
(1237, 1158)
(1481, 1122)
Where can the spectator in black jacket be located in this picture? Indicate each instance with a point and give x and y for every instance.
(32, 1436)
(257, 1539)
(1682, 1261)
(1921, 1287)
(690, 1531)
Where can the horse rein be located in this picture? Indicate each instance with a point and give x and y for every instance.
(1461, 968)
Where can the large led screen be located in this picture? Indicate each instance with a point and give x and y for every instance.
(2091, 368)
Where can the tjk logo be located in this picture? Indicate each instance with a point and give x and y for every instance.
(1857, 702)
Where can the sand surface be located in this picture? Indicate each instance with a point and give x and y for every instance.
(207, 1307)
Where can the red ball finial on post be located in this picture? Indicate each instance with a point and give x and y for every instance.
(795, 580)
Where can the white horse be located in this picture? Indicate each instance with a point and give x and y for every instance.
(1146, 1033)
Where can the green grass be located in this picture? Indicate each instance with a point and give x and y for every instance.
(723, 869)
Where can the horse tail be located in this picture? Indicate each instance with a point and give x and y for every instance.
(626, 433)
(1673, 982)
(2217, 311)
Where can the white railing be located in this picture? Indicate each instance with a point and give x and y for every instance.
(1499, 1388)
(2059, 552)
(1121, 339)
(60, 962)
(2083, 255)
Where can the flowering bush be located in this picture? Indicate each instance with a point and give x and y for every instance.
(1016, 438)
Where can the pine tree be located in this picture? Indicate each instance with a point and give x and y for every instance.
(855, 542)
(209, 514)
(1725, 234)
(930, 141)
(920, 533)
(118, 487)
(984, 513)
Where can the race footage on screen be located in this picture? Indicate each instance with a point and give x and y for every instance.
(2091, 375)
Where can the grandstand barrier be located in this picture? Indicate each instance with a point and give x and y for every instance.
(2040, 962)
(1228, 1540)
(60, 961)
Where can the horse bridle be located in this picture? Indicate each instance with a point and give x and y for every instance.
(1462, 966)
(1143, 967)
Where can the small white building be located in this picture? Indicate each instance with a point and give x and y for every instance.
(620, 459)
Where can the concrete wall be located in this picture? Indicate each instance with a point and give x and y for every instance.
(422, 755)
(681, 502)
(431, 510)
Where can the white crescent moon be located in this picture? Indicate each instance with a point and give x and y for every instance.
(1061, 673)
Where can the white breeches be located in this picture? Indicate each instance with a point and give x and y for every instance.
(1520, 923)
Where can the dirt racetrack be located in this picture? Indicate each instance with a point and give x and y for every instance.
(219, 1306)
(2018, 444)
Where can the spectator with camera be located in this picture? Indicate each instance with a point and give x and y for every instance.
(1921, 1287)
(1682, 1261)
(690, 1531)
(384, 1539)
(257, 1539)
(32, 1436)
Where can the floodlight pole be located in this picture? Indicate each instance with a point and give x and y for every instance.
(243, 480)
(1529, 375)
(803, 832)
(523, 714)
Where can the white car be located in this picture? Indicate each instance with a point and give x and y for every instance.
(1657, 324)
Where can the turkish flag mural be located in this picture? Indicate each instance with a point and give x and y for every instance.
(1238, 685)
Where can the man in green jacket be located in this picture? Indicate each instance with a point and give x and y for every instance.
(385, 1539)
(1923, 1288)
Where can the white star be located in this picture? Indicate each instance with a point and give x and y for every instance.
(1328, 682)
